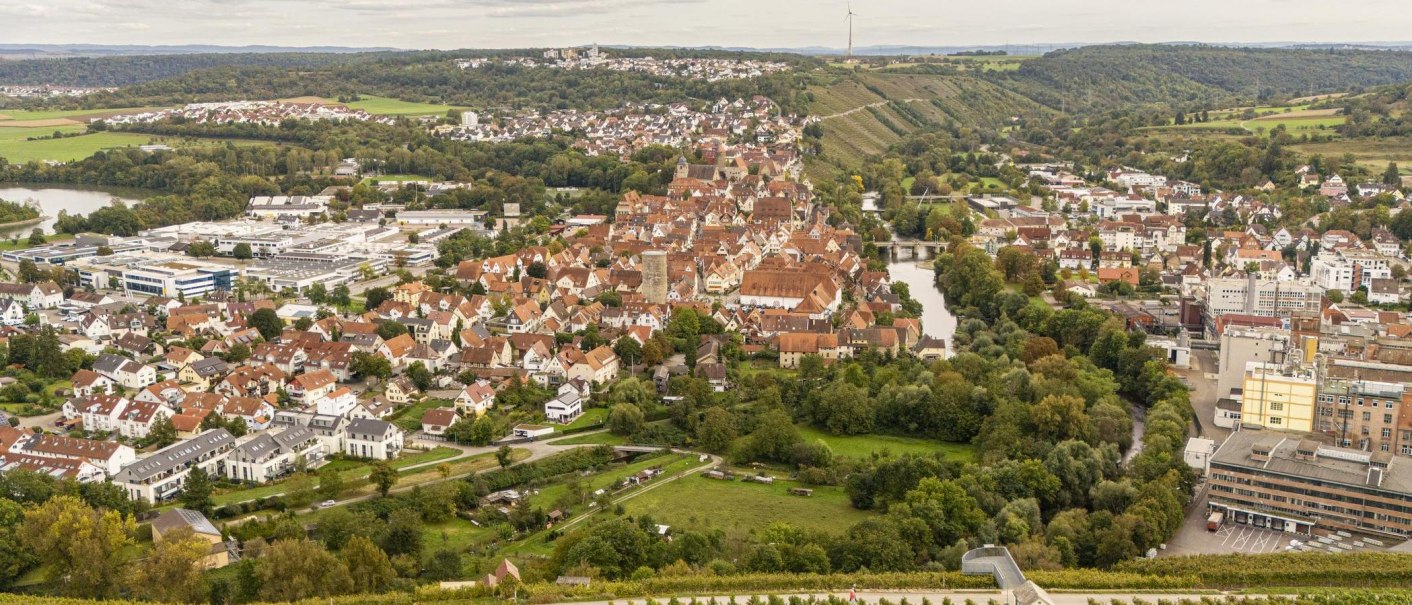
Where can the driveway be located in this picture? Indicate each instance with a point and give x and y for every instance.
(1204, 395)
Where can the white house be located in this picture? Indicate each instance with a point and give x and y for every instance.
(375, 439)
(126, 372)
(476, 398)
(270, 456)
(564, 408)
(161, 476)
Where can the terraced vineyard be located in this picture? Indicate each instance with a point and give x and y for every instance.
(864, 114)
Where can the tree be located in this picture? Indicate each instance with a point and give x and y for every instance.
(201, 248)
(83, 550)
(242, 251)
(368, 565)
(371, 365)
(383, 476)
(1392, 176)
(331, 484)
(419, 375)
(14, 556)
(172, 573)
(374, 297)
(267, 323)
(317, 294)
(537, 270)
(774, 437)
(845, 409)
(717, 430)
(36, 238)
(625, 419)
(946, 509)
(1334, 296)
(504, 456)
(628, 350)
(196, 492)
(163, 432)
(296, 569)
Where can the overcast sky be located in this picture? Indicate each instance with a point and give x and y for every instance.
(757, 23)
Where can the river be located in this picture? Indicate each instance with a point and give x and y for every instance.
(937, 320)
(52, 199)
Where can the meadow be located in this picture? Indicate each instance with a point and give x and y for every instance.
(863, 446)
(739, 508)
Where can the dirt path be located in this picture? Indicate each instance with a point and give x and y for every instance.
(862, 107)
(712, 461)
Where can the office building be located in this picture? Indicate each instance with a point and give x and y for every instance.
(1287, 483)
(1260, 297)
(155, 274)
(1278, 397)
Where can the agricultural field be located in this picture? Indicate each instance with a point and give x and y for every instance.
(22, 118)
(862, 446)
(17, 149)
(1370, 153)
(382, 106)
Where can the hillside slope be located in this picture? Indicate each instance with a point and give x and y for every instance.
(864, 114)
(1102, 77)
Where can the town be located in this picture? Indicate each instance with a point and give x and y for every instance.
(710, 70)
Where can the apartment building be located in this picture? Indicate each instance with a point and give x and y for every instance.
(1260, 297)
(161, 476)
(1283, 482)
(1346, 269)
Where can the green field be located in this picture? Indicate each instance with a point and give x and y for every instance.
(76, 115)
(382, 106)
(739, 508)
(862, 446)
(1370, 153)
(602, 438)
(353, 472)
(16, 150)
(410, 417)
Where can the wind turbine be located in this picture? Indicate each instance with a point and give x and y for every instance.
(849, 19)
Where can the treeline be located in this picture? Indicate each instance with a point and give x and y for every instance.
(109, 72)
(412, 76)
(11, 212)
(1098, 77)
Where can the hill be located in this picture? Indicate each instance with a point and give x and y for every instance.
(1104, 77)
(863, 114)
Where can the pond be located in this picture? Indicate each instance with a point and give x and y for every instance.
(52, 198)
(937, 320)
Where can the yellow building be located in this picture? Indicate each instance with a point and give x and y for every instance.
(1274, 397)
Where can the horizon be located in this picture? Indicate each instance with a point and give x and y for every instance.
(510, 24)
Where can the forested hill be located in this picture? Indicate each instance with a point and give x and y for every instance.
(1104, 77)
(412, 76)
(123, 71)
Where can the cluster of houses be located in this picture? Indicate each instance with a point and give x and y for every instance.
(755, 125)
(264, 113)
(708, 69)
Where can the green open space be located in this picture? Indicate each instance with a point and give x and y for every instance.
(351, 470)
(410, 417)
(740, 507)
(862, 446)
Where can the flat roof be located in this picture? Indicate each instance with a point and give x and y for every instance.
(1331, 464)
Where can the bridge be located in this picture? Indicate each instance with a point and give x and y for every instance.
(898, 249)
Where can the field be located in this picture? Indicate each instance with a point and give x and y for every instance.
(382, 106)
(1371, 153)
(739, 508)
(68, 117)
(1295, 118)
(353, 472)
(862, 446)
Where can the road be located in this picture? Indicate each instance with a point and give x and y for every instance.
(934, 596)
(862, 107)
(1204, 395)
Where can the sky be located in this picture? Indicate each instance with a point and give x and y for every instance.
(449, 24)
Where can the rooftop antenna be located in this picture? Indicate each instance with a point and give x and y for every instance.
(849, 19)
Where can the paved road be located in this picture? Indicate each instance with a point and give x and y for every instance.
(1204, 395)
(935, 596)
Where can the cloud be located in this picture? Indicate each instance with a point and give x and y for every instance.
(25, 10)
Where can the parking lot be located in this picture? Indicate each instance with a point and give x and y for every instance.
(1252, 540)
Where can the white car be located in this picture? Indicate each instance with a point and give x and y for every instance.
(327, 504)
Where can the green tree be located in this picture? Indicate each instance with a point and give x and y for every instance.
(383, 476)
(625, 419)
(83, 550)
(267, 323)
(317, 294)
(172, 573)
(196, 491)
(331, 484)
(371, 365)
(242, 251)
(14, 556)
(369, 567)
(503, 456)
(296, 569)
(374, 297)
(717, 430)
(163, 432)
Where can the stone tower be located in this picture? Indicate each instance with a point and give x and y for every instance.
(654, 276)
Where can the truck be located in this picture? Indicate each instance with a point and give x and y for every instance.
(1214, 521)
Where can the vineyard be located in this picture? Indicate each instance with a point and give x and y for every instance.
(1354, 570)
(1329, 598)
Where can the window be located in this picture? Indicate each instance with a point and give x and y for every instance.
(1367, 416)
(1387, 419)
(1387, 434)
(1277, 420)
(1276, 406)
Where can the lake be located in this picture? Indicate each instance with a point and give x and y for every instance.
(937, 320)
(53, 199)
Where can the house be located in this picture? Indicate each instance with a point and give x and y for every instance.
(564, 408)
(87, 382)
(180, 522)
(714, 374)
(108, 456)
(135, 421)
(400, 390)
(476, 398)
(436, 421)
(310, 387)
(599, 366)
(126, 372)
(375, 439)
(930, 348)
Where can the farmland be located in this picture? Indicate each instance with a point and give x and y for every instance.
(382, 106)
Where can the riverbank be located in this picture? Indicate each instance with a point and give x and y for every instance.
(24, 223)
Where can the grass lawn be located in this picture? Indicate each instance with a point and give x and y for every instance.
(75, 115)
(604, 438)
(861, 446)
(739, 508)
(23, 243)
(17, 150)
(548, 496)
(410, 417)
(590, 417)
